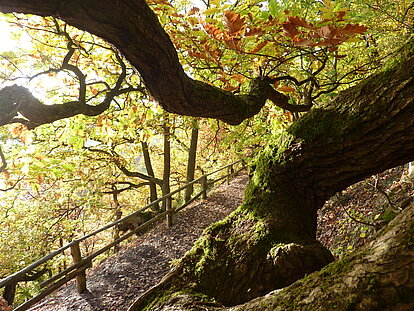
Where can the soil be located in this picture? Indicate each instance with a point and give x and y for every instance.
(117, 281)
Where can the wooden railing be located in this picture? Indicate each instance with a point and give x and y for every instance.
(80, 263)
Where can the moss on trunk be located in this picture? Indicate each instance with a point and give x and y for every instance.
(376, 277)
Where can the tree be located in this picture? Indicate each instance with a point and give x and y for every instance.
(269, 242)
(191, 162)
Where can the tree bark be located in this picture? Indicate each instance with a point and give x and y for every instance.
(191, 162)
(167, 161)
(377, 277)
(269, 242)
(150, 172)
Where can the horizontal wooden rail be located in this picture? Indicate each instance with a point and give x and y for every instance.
(77, 270)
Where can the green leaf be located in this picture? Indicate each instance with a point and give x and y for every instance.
(274, 8)
(68, 167)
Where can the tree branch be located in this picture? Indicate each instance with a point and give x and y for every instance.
(3, 161)
(115, 158)
(145, 44)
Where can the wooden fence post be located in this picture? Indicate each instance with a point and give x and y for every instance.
(204, 185)
(168, 207)
(81, 277)
(10, 292)
(230, 172)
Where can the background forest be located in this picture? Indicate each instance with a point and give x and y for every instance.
(67, 178)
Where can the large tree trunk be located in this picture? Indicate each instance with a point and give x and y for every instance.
(269, 242)
(380, 276)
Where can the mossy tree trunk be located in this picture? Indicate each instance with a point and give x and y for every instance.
(269, 242)
(380, 276)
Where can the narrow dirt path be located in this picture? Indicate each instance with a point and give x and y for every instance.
(119, 280)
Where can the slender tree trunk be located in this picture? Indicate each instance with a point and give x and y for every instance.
(150, 172)
(269, 242)
(167, 160)
(191, 163)
(118, 215)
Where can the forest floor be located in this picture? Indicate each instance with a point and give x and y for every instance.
(348, 220)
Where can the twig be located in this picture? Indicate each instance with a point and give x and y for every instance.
(352, 217)
(382, 191)
(3, 160)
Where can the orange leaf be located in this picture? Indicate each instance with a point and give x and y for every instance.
(302, 42)
(286, 89)
(290, 30)
(197, 55)
(214, 32)
(6, 174)
(253, 32)
(259, 47)
(288, 115)
(17, 130)
(177, 15)
(350, 29)
(233, 22)
(340, 15)
(299, 21)
(40, 178)
(193, 11)
(326, 32)
(230, 88)
(239, 78)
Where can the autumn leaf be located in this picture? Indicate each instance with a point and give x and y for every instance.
(239, 78)
(26, 137)
(290, 30)
(230, 88)
(40, 178)
(193, 11)
(340, 15)
(302, 42)
(286, 89)
(233, 44)
(233, 22)
(299, 21)
(93, 90)
(6, 174)
(326, 32)
(214, 32)
(350, 29)
(259, 47)
(175, 14)
(288, 116)
(253, 32)
(197, 55)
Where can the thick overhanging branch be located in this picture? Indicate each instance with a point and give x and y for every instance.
(142, 40)
(19, 100)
